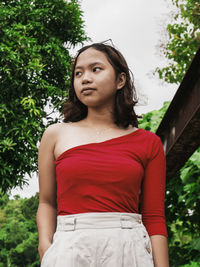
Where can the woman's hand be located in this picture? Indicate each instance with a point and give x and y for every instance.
(42, 248)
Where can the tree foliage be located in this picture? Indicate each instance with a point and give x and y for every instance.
(18, 232)
(184, 40)
(34, 75)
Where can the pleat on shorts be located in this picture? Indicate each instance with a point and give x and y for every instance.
(103, 239)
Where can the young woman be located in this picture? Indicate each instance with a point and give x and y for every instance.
(101, 178)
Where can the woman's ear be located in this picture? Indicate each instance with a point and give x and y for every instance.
(121, 80)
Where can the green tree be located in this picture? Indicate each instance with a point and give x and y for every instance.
(18, 233)
(34, 76)
(184, 40)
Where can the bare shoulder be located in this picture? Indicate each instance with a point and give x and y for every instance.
(49, 136)
(52, 131)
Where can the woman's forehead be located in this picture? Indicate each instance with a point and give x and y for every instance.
(91, 56)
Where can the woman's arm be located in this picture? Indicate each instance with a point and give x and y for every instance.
(160, 250)
(153, 200)
(46, 213)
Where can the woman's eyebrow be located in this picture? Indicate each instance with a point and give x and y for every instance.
(90, 65)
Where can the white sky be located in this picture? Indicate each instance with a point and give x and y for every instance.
(136, 28)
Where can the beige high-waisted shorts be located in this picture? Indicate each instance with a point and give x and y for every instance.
(102, 239)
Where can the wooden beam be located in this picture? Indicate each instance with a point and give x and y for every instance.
(179, 129)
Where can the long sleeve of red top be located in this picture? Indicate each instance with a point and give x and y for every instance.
(113, 176)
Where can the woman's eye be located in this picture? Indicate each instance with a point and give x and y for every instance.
(96, 69)
(78, 73)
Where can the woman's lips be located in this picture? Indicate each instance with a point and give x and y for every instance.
(87, 90)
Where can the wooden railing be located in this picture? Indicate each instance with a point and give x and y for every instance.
(179, 129)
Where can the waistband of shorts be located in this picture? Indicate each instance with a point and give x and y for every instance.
(98, 220)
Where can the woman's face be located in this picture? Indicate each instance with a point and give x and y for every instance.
(95, 82)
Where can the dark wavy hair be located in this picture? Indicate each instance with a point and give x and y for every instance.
(125, 98)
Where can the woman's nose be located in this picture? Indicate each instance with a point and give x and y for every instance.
(86, 77)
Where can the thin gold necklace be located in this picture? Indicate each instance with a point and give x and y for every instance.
(98, 132)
